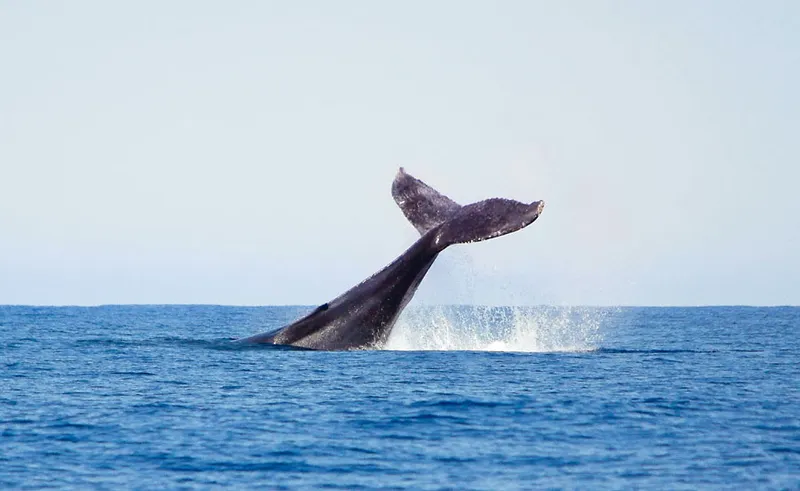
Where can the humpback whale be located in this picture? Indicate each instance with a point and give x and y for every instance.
(363, 316)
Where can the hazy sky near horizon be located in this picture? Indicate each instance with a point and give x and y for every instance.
(242, 152)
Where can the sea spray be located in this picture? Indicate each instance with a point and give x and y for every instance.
(482, 328)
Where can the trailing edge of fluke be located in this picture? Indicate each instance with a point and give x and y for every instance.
(363, 316)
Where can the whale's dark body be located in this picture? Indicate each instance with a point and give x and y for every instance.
(363, 316)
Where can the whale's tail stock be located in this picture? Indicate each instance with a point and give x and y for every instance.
(432, 212)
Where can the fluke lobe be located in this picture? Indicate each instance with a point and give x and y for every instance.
(363, 316)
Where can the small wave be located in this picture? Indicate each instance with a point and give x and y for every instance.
(508, 329)
(133, 373)
(673, 351)
(222, 344)
(128, 342)
(460, 403)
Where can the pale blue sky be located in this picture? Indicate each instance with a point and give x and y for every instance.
(242, 152)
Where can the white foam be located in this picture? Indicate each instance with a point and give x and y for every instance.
(518, 329)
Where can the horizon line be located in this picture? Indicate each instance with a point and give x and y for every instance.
(623, 306)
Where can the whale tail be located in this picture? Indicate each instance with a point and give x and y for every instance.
(424, 206)
(428, 210)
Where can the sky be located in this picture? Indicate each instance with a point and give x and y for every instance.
(242, 152)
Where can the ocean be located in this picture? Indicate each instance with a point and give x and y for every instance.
(156, 397)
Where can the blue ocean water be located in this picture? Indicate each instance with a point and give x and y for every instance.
(152, 397)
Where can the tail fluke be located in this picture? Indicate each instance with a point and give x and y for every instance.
(427, 209)
(424, 207)
(487, 219)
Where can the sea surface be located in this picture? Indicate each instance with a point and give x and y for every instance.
(156, 397)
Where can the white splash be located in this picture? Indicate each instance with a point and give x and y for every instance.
(520, 329)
